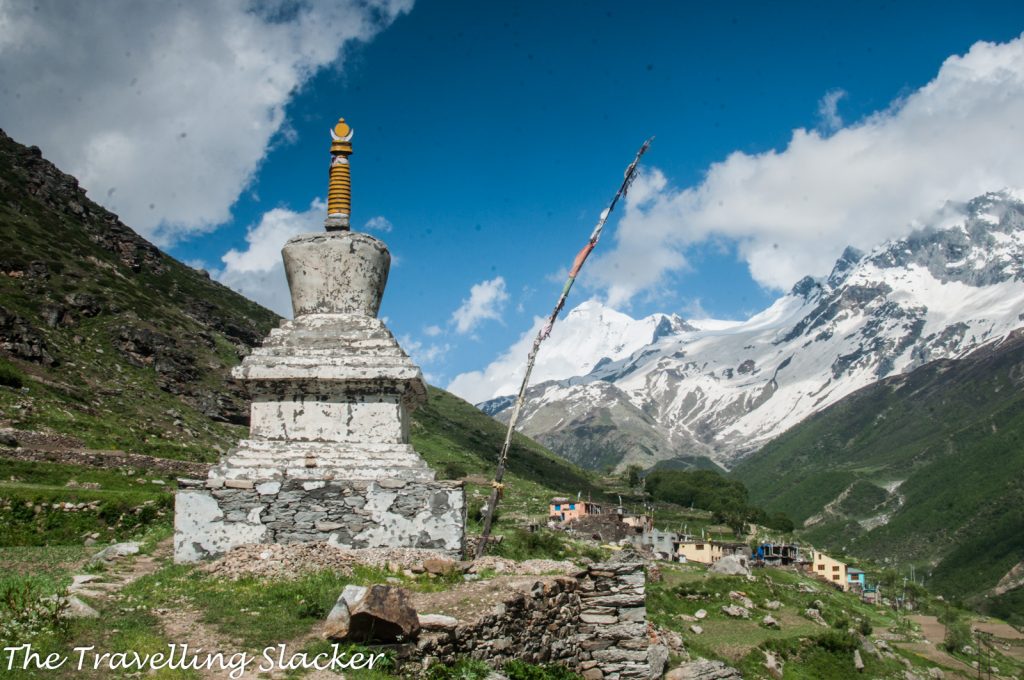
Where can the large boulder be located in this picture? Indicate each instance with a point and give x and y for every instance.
(378, 613)
(731, 565)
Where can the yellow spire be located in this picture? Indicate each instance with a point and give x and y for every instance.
(339, 191)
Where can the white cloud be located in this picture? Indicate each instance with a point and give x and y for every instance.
(258, 271)
(424, 353)
(432, 331)
(505, 371)
(379, 223)
(791, 212)
(164, 110)
(828, 110)
(486, 300)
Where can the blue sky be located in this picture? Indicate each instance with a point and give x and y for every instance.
(489, 136)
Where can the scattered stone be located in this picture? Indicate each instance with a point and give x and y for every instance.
(736, 611)
(806, 588)
(858, 663)
(437, 622)
(696, 630)
(79, 580)
(703, 669)
(773, 605)
(657, 659)
(379, 613)
(770, 622)
(76, 609)
(936, 673)
(439, 567)
(742, 599)
(116, 551)
(815, 615)
(686, 617)
(700, 614)
(773, 664)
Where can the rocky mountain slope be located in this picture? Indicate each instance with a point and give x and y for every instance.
(926, 467)
(106, 337)
(722, 390)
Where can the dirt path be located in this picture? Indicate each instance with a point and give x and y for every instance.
(935, 632)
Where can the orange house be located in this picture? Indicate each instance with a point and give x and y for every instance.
(566, 510)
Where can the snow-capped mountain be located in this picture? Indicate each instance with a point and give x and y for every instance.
(723, 389)
(589, 334)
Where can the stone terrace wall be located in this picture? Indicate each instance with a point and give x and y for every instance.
(595, 623)
(214, 516)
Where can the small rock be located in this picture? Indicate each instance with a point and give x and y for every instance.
(696, 630)
(703, 669)
(770, 621)
(858, 663)
(437, 622)
(657, 660)
(815, 615)
(686, 617)
(439, 567)
(773, 605)
(936, 673)
(700, 614)
(116, 551)
(76, 609)
(772, 664)
(8, 439)
(736, 611)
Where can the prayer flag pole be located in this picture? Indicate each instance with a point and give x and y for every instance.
(545, 331)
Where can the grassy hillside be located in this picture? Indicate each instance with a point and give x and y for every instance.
(461, 442)
(102, 335)
(926, 468)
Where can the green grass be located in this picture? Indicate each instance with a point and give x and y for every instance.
(953, 432)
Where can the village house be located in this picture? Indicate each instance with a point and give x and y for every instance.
(707, 551)
(855, 580)
(642, 523)
(777, 554)
(830, 569)
(655, 540)
(565, 510)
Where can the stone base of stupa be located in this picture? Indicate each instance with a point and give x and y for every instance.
(214, 515)
(328, 456)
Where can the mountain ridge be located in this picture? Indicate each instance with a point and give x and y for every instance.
(724, 391)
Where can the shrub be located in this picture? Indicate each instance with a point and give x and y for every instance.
(463, 669)
(25, 613)
(958, 634)
(10, 376)
(520, 670)
(453, 469)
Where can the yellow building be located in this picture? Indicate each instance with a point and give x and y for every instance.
(565, 510)
(708, 552)
(829, 569)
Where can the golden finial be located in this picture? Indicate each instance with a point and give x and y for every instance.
(339, 191)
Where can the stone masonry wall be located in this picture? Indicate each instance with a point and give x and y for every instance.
(595, 624)
(213, 516)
